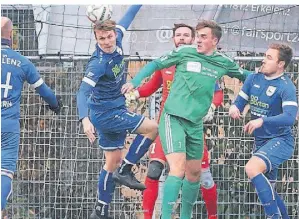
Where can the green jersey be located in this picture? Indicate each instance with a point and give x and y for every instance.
(194, 81)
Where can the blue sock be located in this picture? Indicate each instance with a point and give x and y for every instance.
(266, 195)
(138, 148)
(106, 188)
(5, 190)
(282, 208)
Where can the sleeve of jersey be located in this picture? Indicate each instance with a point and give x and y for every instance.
(170, 59)
(93, 72)
(34, 79)
(126, 20)
(152, 85)
(289, 110)
(235, 71)
(243, 96)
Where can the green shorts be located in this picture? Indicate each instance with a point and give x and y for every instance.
(179, 135)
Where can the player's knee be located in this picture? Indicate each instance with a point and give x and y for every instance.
(113, 160)
(206, 179)
(155, 169)
(251, 170)
(5, 190)
(256, 165)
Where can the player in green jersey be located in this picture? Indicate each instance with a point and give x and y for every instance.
(197, 70)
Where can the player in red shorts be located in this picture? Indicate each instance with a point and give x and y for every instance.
(182, 34)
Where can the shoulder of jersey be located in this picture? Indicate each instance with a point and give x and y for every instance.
(224, 56)
(287, 80)
(98, 58)
(184, 47)
(20, 57)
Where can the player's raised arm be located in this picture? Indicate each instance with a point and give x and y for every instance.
(170, 59)
(127, 19)
(235, 71)
(146, 89)
(151, 86)
(33, 78)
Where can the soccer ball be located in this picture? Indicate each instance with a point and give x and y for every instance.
(99, 12)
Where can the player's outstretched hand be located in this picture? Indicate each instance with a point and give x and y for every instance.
(253, 125)
(88, 129)
(234, 112)
(127, 87)
(210, 115)
(57, 109)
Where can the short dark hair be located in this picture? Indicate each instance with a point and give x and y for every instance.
(216, 29)
(177, 26)
(285, 52)
(106, 25)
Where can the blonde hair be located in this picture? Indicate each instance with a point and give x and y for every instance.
(104, 25)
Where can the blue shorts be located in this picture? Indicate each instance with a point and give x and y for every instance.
(112, 126)
(9, 150)
(274, 152)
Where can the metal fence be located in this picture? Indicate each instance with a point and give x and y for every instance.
(58, 169)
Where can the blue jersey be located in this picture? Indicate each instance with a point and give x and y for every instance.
(15, 70)
(272, 99)
(104, 76)
(105, 72)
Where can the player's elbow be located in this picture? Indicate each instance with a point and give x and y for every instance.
(290, 121)
(290, 118)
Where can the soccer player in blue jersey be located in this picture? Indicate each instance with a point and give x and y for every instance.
(273, 104)
(15, 70)
(101, 91)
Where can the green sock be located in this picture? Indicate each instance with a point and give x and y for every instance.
(190, 192)
(171, 191)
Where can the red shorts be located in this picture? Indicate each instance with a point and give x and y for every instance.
(205, 159)
(156, 152)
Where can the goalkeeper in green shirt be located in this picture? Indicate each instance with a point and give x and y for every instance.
(198, 67)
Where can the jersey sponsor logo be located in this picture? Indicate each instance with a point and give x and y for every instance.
(194, 66)
(168, 72)
(256, 85)
(270, 91)
(254, 100)
(118, 68)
